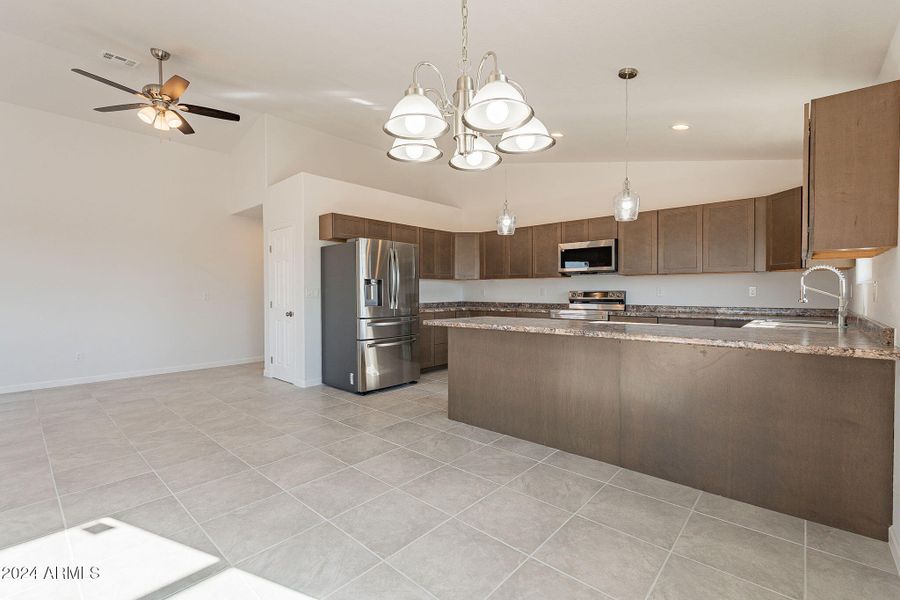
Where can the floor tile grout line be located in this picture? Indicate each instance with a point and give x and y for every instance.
(675, 541)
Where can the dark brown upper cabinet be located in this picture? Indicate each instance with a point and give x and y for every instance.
(404, 233)
(494, 256)
(783, 230)
(729, 238)
(852, 181)
(545, 240)
(427, 251)
(602, 228)
(680, 240)
(575, 231)
(379, 230)
(443, 258)
(466, 256)
(638, 245)
(520, 253)
(340, 228)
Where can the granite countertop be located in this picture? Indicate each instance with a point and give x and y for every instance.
(853, 342)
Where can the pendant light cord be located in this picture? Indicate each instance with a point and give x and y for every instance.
(626, 130)
(464, 60)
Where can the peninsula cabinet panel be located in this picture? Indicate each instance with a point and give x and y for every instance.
(681, 240)
(575, 231)
(404, 233)
(638, 245)
(443, 255)
(783, 230)
(545, 241)
(466, 256)
(729, 237)
(519, 253)
(379, 230)
(853, 176)
(340, 228)
(427, 251)
(493, 255)
(602, 228)
(626, 319)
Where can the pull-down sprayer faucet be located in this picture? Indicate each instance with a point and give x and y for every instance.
(843, 298)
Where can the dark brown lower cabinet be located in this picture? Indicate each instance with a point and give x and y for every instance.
(687, 321)
(624, 319)
(433, 340)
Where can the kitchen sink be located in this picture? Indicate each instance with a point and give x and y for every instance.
(791, 324)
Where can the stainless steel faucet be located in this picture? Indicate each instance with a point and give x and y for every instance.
(843, 298)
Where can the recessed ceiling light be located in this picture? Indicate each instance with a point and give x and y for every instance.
(361, 101)
(681, 126)
(557, 134)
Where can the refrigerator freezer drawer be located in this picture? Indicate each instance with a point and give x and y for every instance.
(387, 362)
(390, 327)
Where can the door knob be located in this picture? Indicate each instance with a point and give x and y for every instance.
(289, 313)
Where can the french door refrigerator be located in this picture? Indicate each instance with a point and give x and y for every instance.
(370, 307)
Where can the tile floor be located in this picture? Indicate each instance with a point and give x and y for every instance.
(225, 484)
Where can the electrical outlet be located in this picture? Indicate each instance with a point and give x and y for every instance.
(659, 292)
(543, 292)
(78, 356)
(752, 291)
(205, 296)
(483, 292)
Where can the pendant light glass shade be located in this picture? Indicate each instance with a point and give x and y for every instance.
(481, 158)
(530, 137)
(421, 151)
(626, 203)
(506, 223)
(147, 114)
(497, 107)
(416, 117)
(172, 119)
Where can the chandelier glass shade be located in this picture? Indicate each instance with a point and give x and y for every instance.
(499, 107)
(420, 151)
(533, 136)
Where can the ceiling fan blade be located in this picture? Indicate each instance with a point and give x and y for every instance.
(185, 127)
(209, 112)
(174, 87)
(118, 107)
(108, 82)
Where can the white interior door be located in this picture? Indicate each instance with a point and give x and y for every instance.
(282, 328)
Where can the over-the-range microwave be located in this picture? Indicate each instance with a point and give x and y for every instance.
(579, 258)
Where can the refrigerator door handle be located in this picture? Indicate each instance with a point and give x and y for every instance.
(386, 344)
(395, 279)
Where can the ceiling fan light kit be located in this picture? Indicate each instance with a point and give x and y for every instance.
(499, 107)
(163, 110)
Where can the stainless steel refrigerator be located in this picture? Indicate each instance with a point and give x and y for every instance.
(370, 307)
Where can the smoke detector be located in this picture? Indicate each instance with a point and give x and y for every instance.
(118, 59)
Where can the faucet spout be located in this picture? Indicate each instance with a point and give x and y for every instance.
(843, 297)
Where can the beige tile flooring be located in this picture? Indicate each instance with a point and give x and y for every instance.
(282, 492)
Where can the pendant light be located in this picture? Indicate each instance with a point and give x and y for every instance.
(497, 107)
(626, 203)
(506, 223)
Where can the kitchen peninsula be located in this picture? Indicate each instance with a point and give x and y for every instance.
(795, 420)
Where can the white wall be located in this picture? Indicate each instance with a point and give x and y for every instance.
(108, 242)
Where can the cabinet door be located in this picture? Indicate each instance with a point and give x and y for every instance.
(575, 231)
(443, 255)
(545, 250)
(783, 231)
(379, 230)
(603, 228)
(637, 245)
(854, 149)
(466, 256)
(520, 253)
(340, 228)
(440, 333)
(404, 233)
(427, 246)
(729, 236)
(493, 255)
(680, 240)
(426, 342)
(624, 319)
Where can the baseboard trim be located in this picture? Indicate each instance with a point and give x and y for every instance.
(43, 385)
(311, 382)
(894, 543)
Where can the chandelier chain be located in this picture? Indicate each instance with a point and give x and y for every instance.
(464, 61)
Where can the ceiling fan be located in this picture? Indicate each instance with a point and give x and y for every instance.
(163, 99)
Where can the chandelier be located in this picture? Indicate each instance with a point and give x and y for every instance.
(472, 113)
